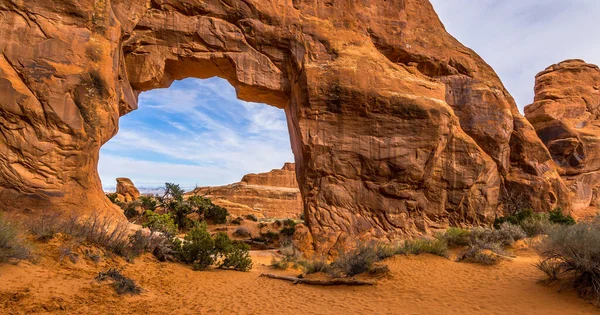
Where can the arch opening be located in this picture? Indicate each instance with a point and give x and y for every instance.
(198, 134)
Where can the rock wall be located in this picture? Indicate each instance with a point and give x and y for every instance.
(397, 129)
(273, 194)
(566, 115)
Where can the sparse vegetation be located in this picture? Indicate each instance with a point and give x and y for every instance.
(12, 243)
(476, 255)
(122, 284)
(455, 237)
(572, 252)
(162, 223)
(242, 232)
(557, 217)
(252, 217)
(201, 250)
(237, 221)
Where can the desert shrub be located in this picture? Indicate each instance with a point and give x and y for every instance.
(551, 267)
(122, 284)
(44, 226)
(237, 221)
(131, 211)
(422, 246)
(199, 204)
(237, 257)
(505, 235)
(536, 225)
(320, 265)
(556, 216)
(148, 203)
(162, 223)
(101, 231)
(12, 242)
(216, 214)
(269, 235)
(277, 224)
(261, 225)
(384, 251)
(455, 237)
(66, 251)
(198, 247)
(573, 252)
(282, 264)
(475, 255)
(242, 232)
(356, 261)
(288, 231)
(515, 218)
(252, 217)
(113, 197)
(180, 212)
(155, 243)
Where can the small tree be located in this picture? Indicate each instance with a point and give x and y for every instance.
(198, 247)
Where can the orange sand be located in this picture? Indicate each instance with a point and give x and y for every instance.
(417, 285)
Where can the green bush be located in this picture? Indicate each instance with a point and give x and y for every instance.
(242, 232)
(237, 257)
(237, 221)
(316, 265)
(536, 225)
(421, 246)
(162, 223)
(475, 255)
(455, 237)
(199, 204)
(12, 242)
(252, 217)
(514, 219)
(216, 214)
(198, 247)
(130, 210)
(148, 203)
(556, 216)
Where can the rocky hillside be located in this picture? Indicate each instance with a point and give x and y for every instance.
(273, 194)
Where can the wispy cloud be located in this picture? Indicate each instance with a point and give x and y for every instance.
(195, 133)
(520, 38)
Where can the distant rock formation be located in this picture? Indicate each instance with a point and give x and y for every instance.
(566, 116)
(273, 194)
(126, 190)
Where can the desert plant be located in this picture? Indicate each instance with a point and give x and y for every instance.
(12, 242)
(252, 217)
(122, 284)
(148, 203)
(237, 257)
(556, 216)
(536, 225)
(422, 246)
(476, 255)
(356, 261)
(44, 226)
(173, 192)
(455, 237)
(551, 267)
(573, 251)
(384, 251)
(162, 223)
(237, 221)
(242, 232)
(99, 230)
(216, 214)
(198, 247)
(321, 265)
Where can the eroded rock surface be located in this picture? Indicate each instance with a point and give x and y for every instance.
(397, 129)
(126, 190)
(273, 194)
(566, 116)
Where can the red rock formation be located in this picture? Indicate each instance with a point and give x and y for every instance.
(274, 194)
(395, 126)
(127, 189)
(566, 115)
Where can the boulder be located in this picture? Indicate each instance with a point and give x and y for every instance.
(566, 116)
(127, 189)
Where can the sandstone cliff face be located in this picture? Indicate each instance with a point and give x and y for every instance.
(566, 115)
(126, 190)
(397, 129)
(273, 194)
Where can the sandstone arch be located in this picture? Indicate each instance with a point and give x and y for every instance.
(396, 128)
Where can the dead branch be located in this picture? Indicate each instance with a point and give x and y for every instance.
(335, 281)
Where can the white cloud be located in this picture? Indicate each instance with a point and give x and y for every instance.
(195, 132)
(520, 38)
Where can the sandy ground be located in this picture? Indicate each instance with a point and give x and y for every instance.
(416, 285)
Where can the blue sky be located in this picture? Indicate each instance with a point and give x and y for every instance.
(195, 133)
(198, 133)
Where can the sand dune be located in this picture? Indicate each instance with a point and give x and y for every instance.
(416, 285)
